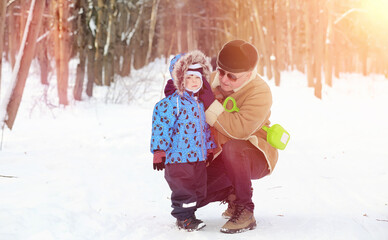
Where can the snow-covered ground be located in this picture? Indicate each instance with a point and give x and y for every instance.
(85, 171)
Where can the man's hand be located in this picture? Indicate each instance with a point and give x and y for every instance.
(206, 95)
(159, 159)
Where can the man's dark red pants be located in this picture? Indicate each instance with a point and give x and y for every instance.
(232, 171)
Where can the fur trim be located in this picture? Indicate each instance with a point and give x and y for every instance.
(183, 64)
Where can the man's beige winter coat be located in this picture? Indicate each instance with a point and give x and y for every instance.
(254, 99)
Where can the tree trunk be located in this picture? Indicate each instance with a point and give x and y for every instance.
(3, 7)
(81, 8)
(100, 41)
(289, 34)
(109, 45)
(12, 34)
(120, 45)
(364, 57)
(127, 61)
(299, 41)
(161, 32)
(179, 29)
(43, 60)
(309, 60)
(25, 57)
(279, 15)
(336, 55)
(80, 75)
(154, 14)
(190, 32)
(263, 47)
(42, 52)
(62, 49)
(276, 42)
(91, 52)
(318, 46)
(140, 42)
(268, 38)
(329, 48)
(22, 19)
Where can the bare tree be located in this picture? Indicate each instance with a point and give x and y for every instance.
(91, 50)
(81, 8)
(318, 47)
(25, 57)
(308, 42)
(62, 47)
(109, 52)
(13, 35)
(276, 19)
(155, 6)
(129, 35)
(100, 40)
(329, 46)
(262, 47)
(43, 46)
(3, 8)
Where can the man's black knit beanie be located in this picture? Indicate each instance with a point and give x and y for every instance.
(237, 56)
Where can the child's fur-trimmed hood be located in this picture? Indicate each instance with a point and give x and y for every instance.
(183, 64)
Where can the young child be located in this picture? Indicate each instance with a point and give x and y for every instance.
(181, 140)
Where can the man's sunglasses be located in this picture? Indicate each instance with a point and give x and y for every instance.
(231, 76)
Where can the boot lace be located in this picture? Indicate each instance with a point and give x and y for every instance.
(237, 213)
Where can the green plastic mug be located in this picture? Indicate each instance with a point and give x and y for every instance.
(277, 136)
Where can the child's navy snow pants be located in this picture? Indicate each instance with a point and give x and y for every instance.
(187, 182)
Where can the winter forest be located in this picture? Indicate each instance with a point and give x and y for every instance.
(79, 79)
(320, 38)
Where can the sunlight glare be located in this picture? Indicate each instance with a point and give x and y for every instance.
(377, 11)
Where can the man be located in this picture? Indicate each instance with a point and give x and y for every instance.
(244, 152)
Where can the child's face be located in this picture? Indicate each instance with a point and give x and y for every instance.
(192, 82)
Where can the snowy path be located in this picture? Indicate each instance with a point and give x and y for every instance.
(85, 172)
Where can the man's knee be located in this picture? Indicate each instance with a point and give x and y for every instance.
(233, 146)
(232, 152)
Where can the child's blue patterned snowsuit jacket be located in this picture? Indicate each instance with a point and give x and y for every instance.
(179, 128)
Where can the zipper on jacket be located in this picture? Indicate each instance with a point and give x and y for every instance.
(200, 122)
